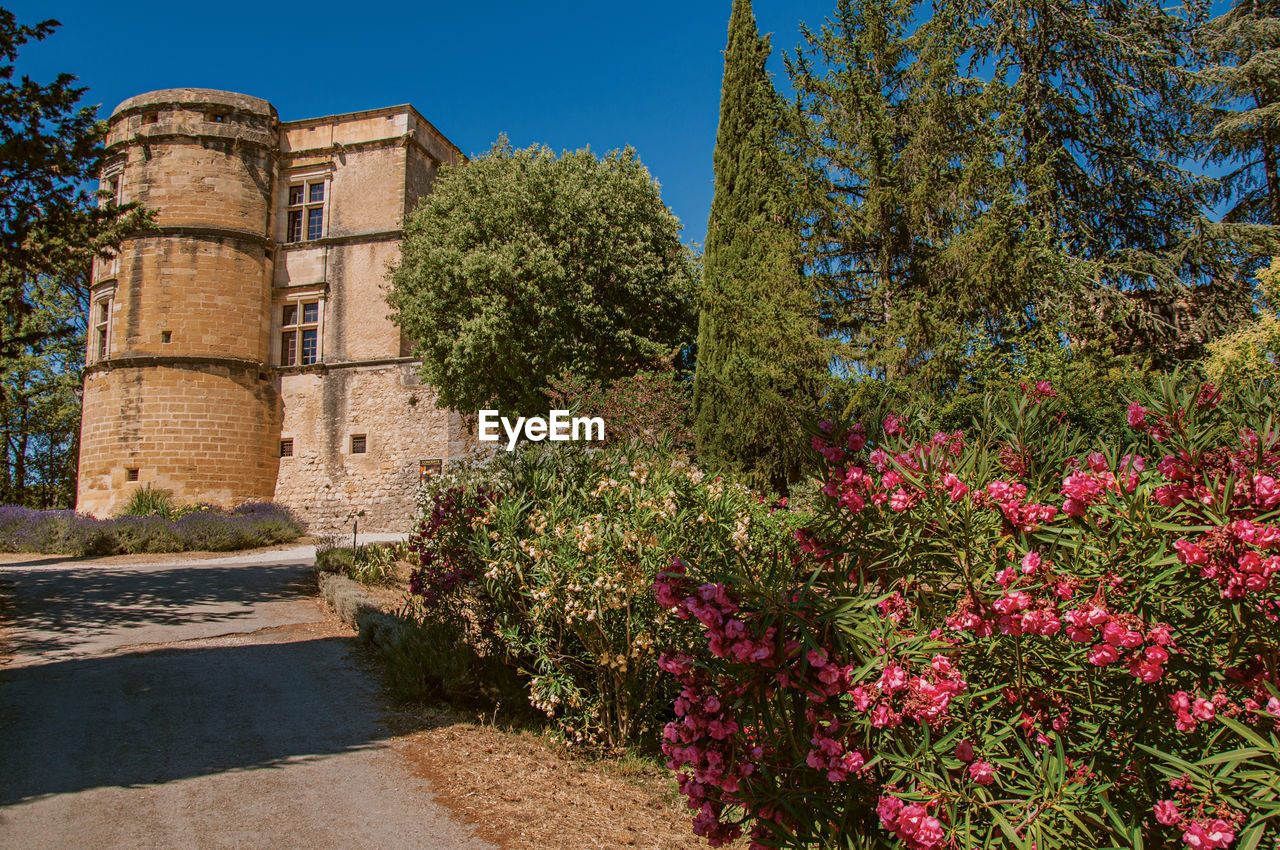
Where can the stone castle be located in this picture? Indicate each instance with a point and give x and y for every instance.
(242, 350)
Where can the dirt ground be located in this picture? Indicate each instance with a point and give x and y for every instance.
(522, 791)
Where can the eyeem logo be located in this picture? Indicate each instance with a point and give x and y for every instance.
(560, 427)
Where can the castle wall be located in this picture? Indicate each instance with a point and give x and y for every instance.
(205, 432)
(324, 481)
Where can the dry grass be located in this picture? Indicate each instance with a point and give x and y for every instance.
(524, 791)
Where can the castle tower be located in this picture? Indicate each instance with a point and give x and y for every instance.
(244, 350)
(178, 392)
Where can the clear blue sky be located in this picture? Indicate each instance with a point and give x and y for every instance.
(567, 74)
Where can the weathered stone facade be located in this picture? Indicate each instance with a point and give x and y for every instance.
(244, 349)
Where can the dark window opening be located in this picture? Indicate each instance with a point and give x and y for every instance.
(286, 448)
(131, 474)
(166, 336)
(288, 348)
(150, 117)
(358, 444)
(300, 334)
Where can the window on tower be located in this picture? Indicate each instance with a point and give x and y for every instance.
(101, 329)
(305, 219)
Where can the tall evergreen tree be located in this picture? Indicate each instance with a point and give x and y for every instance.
(1095, 102)
(759, 354)
(1242, 47)
(993, 168)
(888, 149)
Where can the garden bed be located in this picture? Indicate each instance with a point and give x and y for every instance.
(204, 528)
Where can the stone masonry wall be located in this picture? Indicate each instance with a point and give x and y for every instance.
(324, 481)
(204, 432)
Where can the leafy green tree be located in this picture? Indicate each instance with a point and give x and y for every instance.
(522, 266)
(759, 353)
(51, 228)
(40, 396)
(1250, 355)
(1242, 46)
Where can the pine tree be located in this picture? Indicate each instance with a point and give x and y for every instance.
(893, 187)
(759, 357)
(1243, 86)
(1096, 105)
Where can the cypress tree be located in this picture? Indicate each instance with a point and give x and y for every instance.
(759, 353)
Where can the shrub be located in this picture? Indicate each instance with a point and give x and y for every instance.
(549, 555)
(652, 407)
(1005, 637)
(149, 501)
(207, 529)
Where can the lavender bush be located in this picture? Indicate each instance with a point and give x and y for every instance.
(205, 529)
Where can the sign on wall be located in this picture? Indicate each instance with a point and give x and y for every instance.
(429, 467)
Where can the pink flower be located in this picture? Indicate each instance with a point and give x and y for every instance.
(1190, 554)
(982, 772)
(1103, 654)
(964, 750)
(1030, 562)
(1208, 834)
(1137, 415)
(956, 489)
(893, 425)
(1167, 812)
(1202, 709)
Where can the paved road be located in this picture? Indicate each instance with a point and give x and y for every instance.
(200, 704)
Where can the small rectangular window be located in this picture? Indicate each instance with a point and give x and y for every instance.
(317, 193)
(295, 196)
(315, 223)
(295, 226)
(290, 315)
(166, 336)
(311, 313)
(286, 448)
(358, 444)
(102, 329)
(131, 474)
(150, 117)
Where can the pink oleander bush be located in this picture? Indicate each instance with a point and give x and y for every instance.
(1000, 637)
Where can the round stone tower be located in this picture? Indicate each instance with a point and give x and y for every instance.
(177, 390)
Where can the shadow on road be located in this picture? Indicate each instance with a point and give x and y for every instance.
(152, 717)
(50, 608)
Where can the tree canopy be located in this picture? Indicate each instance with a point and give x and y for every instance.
(51, 228)
(522, 266)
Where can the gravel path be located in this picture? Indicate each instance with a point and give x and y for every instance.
(195, 703)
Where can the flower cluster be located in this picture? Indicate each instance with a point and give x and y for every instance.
(1067, 612)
